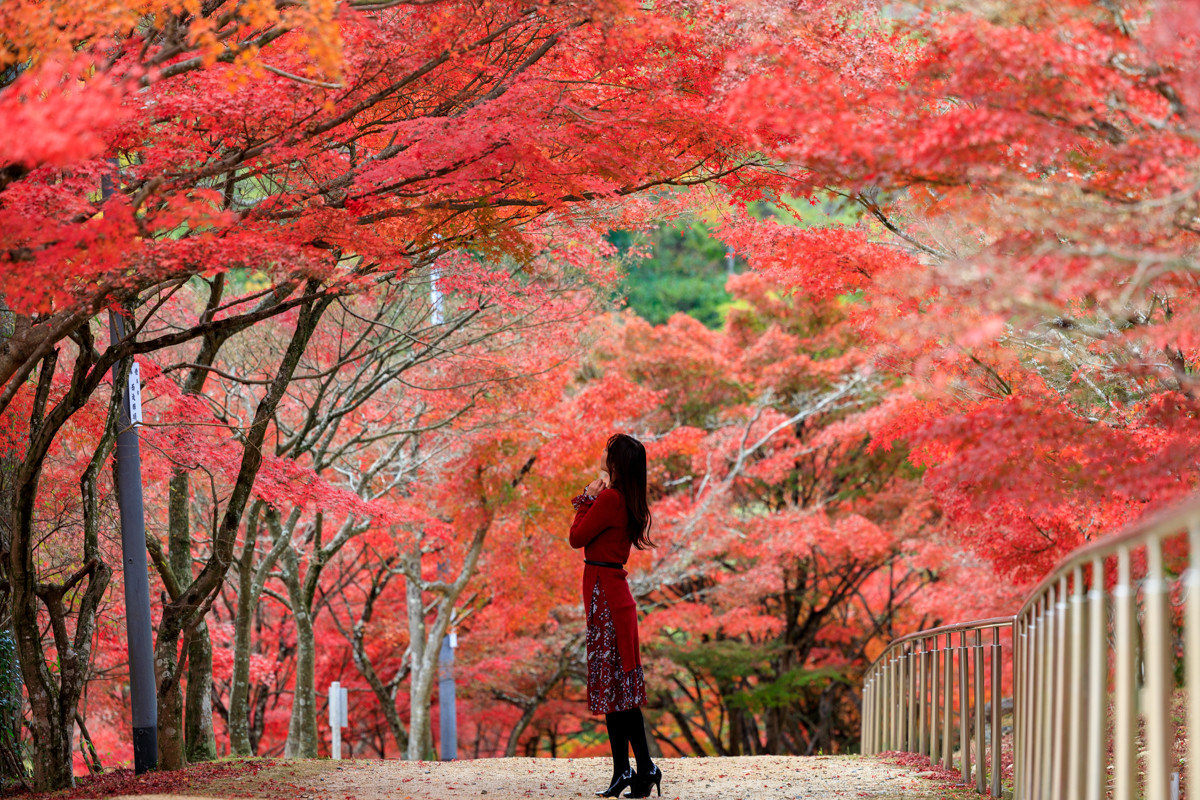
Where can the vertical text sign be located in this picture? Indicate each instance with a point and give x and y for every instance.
(135, 394)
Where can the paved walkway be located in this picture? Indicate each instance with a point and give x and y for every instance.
(745, 778)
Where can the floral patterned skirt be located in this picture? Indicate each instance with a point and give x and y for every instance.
(609, 686)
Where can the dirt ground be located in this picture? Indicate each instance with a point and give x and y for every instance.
(745, 778)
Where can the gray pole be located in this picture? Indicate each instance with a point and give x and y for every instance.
(447, 712)
(128, 474)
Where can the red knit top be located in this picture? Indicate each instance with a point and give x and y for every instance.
(602, 530)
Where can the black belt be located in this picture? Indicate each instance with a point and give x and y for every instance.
(612, 564)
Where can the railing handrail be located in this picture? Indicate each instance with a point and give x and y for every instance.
(929, 633)
(1165, 522)
(1160, 523)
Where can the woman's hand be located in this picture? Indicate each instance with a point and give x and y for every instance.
(595, 487)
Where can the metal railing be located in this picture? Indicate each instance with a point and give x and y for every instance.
(1089, 661)
(909, 697)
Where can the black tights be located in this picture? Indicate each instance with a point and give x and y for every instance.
(626, 729)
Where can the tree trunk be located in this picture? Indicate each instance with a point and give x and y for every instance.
(734, 747)
(51, 752)
(302, 731)
(424, 674)
(171, 751)
(53, 697)
(239, 691)
(518, 730)
(419, 741)
(774, 728)
(250, 586)
(652, 741)
(302, 739)
(200, 741)
(420, 685)
(826, 706)
(262, 696)
(51, 744)
(11, 765)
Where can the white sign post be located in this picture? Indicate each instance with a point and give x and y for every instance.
(338, 716)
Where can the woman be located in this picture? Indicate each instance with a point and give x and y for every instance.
(611, 516)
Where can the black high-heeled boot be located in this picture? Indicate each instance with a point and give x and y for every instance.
(623, 780)
(643, 781)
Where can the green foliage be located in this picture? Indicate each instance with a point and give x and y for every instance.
(730, 662)
(725, 660)
(787, 689)
(687, 266)
(685, 272)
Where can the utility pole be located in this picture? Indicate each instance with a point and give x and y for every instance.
(447, 711)
(127, 473)
(447, 708)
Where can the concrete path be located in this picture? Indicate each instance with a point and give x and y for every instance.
(746, 778)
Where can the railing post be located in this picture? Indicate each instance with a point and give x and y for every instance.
(1044, 662)
(1018, 678)
(934, 708)
(1078, 693)
(873, 720)
(876, 686)
(1157, 659)
(980, 738)
(997, 699)
(1192, 654)
(947, 714)
(905, 731)
(901, 710)
(911, 687)
(880, 707)
(1029, 715)
(876, 710)
(1097, 773)
(867, 712)
(964, 708)
(885, 696)
(873, 743)
(868, 739)
(1058, 754)
(894, 703)
(922, 699)
(1125, 727)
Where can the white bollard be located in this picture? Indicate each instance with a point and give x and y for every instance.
(339, 698)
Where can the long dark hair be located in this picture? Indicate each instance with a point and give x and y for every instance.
(627, 471)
